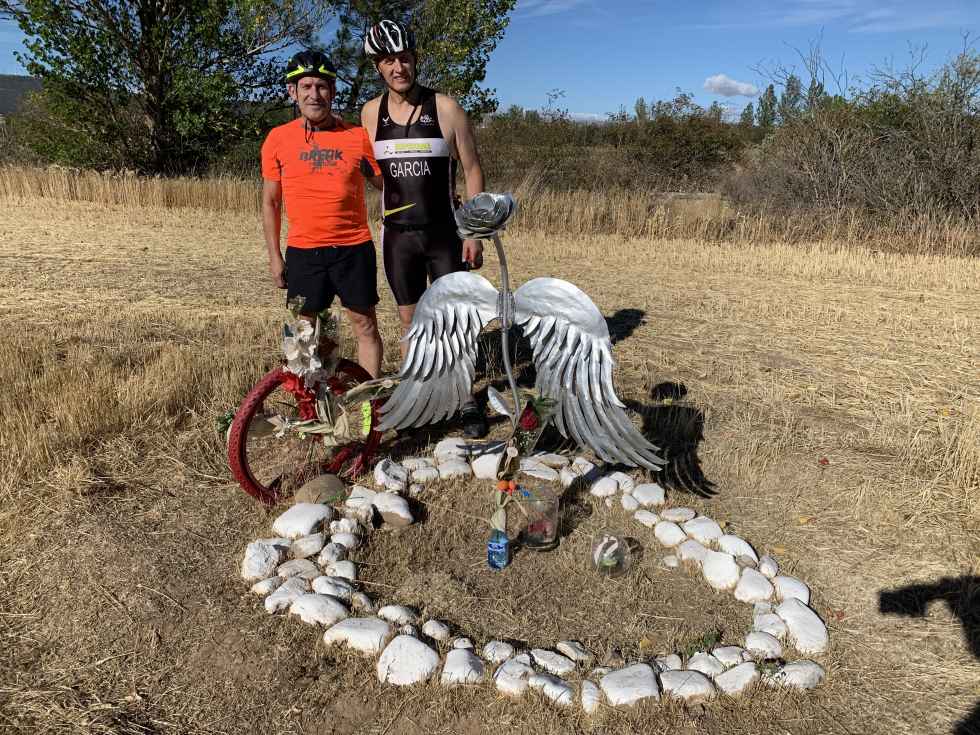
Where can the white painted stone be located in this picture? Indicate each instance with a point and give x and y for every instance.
(393, 509)
(497, 651)
(451, 447)
(730, 655)
(598, 672)
(367, 635)
(807, 631)
(390, 475)
(425, 475)
(315, 609)
(409, 630)
(738, 679)
(284, 595)
(462, 667)
(302, 519)
(260, 561)
(625, 482)
(334, 586)
(345, 569)
(302, 568)
(462, 642)
(753, 587)
(692, 551)
(415, 490)
(405, 661)
(512, 675)
(556, 461)
(760, 608)
(629, 503)
(745, 561)
(416, 463)
(791, 588)
(770, 623)
(485, 466)
(436, 630)
(553, 662)
(330, 553)
(567, 476)
(360, 503)
(398, 614)
(702, 529)
(647, 518)
(557, 690)
(763, 646)
(670, 561)
(604, 487)
(691, 686)
(737, 546)
(349, 541)
(271, 584)
(591, 696)
(677, 515)
(575, 651)
(720, 570)
(649, 494)
(799, 675)
(306, 546)
(706, 664)
(348, 525)
(630, 685)
(671, 662)
(362, 603)
(668, 533)
(536, 469)
(582, 465)
(281, 543)
(454, 468)
(768, 567)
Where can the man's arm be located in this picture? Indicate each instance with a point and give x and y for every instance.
(369, 121)
(463, 141)
(272, 226)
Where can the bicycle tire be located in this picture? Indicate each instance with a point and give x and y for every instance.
(349, 460)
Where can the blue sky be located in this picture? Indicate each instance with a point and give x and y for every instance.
(606, 53)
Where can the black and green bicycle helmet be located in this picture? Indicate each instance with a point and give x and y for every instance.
(309, 64)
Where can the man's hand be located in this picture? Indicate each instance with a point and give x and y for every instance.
(473, 253)
(277, 268)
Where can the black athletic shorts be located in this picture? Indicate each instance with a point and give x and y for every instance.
(319, 274)
(414, 258)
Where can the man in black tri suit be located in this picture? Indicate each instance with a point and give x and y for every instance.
(419, 137)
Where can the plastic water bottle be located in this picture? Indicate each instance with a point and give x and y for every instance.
(498, 550)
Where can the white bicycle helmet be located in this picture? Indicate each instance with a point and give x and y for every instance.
(388, 37)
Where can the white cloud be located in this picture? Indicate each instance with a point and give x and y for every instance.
(587, 117)
(536, 8)
(728, 87)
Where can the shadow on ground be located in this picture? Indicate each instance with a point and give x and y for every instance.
(962, 596)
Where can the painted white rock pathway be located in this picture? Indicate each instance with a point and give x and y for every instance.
(692, 551)
(511, 678)
(730, 655)
(649, 494)
(454, 468)
(314, 609)
(807, 631)
(330, 553)
(267, 585)
(702, 529)
(575, 651)
(630, 685)
(763, 645)
(557, 690)
(260, 561)
(669, 533)
(737, 547)
(669, 663)
(768, 567)
(367, 635)
(334, 586)
(436, 630)
(604, 487)
(591, 696)
(462, 667)
(306, 546)
(393, 509)
(791, 588)
(799, 675)
(553, 662)
(736, 680)
(647, 518)
(677, 515)
(302, 568)
(706, 664)
(720, 570)
(406, 660)
(753, 587)
(687, 685)
(398, 614)
(302, 520)
(283, 597)
(497, 651)
(770, 623)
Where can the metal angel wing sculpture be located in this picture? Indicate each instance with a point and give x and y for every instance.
(572, 351)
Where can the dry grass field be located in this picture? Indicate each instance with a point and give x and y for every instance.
(838, 393)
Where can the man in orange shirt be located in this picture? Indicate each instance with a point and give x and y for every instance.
(316, 167)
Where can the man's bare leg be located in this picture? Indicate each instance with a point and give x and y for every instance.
(405, 313)
(364, 324)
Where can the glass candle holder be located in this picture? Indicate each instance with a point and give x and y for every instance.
(611, 555)
(541, 531)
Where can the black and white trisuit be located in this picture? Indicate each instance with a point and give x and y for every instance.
(418, 237)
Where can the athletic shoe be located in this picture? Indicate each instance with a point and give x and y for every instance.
(474, 421)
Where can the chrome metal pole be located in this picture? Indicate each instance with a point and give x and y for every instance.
(505, 322)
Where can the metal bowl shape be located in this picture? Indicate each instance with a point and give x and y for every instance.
(483, 215)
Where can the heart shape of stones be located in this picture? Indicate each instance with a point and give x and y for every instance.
(324, 593)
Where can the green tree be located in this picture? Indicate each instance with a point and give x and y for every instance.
(816, 95)
(455, 39)
(791, 100)
(747, 118)
(715, 112)
(154, 85)
(641, 110)
(766, 114)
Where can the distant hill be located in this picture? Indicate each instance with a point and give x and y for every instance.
(12, 89)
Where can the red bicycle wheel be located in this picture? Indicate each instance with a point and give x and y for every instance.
(269, 467)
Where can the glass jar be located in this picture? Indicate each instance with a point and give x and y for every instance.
(541, 531)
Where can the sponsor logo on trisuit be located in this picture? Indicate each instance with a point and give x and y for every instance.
(399, 169)
(426, 120)
(405, 149)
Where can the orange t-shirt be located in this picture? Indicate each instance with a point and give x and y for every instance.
(322, 181)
